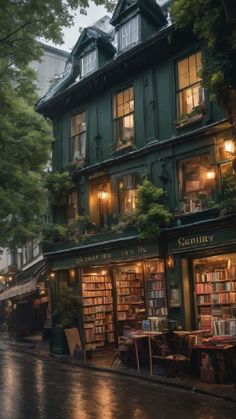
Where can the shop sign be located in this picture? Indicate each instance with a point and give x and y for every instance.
(114, 254)
(205, 239)
(97, 175)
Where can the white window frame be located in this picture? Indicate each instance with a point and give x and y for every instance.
(89, 63)
(129, 33)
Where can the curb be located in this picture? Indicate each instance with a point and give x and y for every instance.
(61, 359)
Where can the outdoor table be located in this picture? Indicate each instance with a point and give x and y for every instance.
(221, 357)
(137, 337)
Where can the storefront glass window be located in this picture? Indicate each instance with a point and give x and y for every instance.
(196, 182)
(215, 294)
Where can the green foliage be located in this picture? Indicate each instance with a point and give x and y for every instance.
(151, 214)
(25, 140)
(65, 307)
(228, 199)
(214, 23)
(23, 22)
(52, 234)
(25, 137)
(59, 186)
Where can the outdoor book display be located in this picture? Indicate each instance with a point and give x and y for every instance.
(97, 309)
(215, 294)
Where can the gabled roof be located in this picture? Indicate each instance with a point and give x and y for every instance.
(95, 33)
(124, 6)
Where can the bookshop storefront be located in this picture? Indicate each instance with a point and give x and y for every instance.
(205, 261)
(120, 288)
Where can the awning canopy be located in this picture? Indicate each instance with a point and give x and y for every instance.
(18, 290)
(27, 286)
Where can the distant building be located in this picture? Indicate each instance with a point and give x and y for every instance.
(52, 64)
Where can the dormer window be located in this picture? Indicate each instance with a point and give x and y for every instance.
(129, 33)
(89, 63)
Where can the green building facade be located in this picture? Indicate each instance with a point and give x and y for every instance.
(130, 106)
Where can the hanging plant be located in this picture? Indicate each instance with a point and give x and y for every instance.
(59, 186)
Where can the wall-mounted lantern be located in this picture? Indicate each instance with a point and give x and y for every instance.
(210, 174)
(229, 146)
(170, 262)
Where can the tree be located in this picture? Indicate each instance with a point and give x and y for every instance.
(25, 137)
(214, 23)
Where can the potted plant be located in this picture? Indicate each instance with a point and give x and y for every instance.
(64, 316)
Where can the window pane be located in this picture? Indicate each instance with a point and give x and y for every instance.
(78, 136)
(89, 62)
(192, 69)
(183, 73)
(128, 194)
(129, 33)
(124, 112)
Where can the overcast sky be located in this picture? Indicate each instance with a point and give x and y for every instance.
(71, 35)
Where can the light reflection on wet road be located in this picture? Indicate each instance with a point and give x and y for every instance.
(34, 389)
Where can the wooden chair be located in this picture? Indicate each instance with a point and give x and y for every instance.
(174, 363)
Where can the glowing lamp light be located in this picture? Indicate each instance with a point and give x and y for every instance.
(52, 275)
(229, 146)
(103, 195)
(211, 174)
(170, 261)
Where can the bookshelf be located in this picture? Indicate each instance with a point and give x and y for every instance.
(130, 294)
(97, 309)
(215, 294)
(155, 289)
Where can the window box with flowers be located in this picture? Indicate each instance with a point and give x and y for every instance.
(196, 115)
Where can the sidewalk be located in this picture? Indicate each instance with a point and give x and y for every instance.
(102, 361)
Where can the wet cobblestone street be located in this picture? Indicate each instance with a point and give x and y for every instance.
(33, 388)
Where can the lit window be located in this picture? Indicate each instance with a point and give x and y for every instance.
(78, 138)
(189, 94)
(124, 118)
(196, 182)
(129, 33)
(89, 63)
(100, 202)
(127, 187)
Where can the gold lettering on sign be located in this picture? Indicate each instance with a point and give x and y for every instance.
(97, 175)
(193, 241)
(128, 252)
(141, 250)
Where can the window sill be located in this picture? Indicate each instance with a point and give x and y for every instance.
(188, 121)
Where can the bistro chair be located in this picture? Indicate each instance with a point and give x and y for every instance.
(174, 364)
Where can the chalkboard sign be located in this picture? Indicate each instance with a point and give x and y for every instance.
(73, 339)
